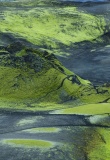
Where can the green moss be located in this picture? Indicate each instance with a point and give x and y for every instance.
(23, 87)
(44, 90)
(43, 130)
(88, 109)
(21, 53)
(19, 85)
(29, 143)
(102, 149)
(51, 24)
(90, 94)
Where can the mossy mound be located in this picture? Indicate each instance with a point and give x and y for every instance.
(29, 143)
(30, 76)
(28, 73)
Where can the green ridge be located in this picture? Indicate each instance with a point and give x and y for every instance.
(34, 80)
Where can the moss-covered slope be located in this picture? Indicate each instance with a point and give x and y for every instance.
(28, 73)
(31, 77)
(52, 27)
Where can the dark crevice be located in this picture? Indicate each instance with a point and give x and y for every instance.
(62, 83)
(105, 101)
(85, 156)
(72, 78)
(102, 138)
(100, 92)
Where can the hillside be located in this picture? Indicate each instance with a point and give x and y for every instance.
(76, 33)
(34, 79)
(53, 28)
(54, 80)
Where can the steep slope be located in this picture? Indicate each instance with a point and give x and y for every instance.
(32, 77)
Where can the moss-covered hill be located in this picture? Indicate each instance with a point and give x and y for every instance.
(32, 79)
(51, 27)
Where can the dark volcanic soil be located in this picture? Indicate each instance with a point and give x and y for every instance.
(72, 134)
